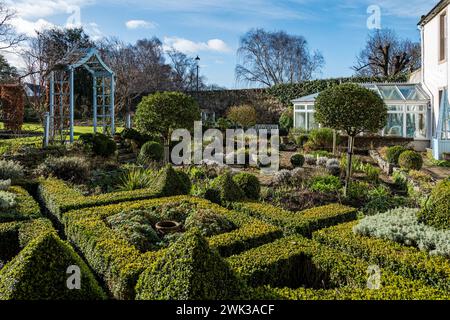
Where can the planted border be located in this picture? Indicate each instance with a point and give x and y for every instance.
(26, 208)
(302, 222)
(119, 263)
(298, 261)
(407, 261)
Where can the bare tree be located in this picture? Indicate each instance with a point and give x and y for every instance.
(387, 55)
(270, 58)
(184, 70)
(139, 69)
(8, 36)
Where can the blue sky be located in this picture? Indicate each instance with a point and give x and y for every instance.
(212, 28)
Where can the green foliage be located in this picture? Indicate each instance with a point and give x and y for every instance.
(393, 153)
(297, 160)
(98, 143)
(25, 208)
(401, 225)
(351, 108)
(73, 169)
(11, 170)
(288, 92)
(320, 139)
(7, 200)
(436, 211)
(303, 222)
(298, 136)
(136, 136)
(5, 184)
(136, 228)
(137, 178)
(163, 112)
(249, 184)
(372, 173)
(208, 223)
(170, 183)
(245, 115)
(358, 192)
(151, 151)
(228, 189)
(408, 262)
(186, 181)
(189, 270)
(410, 160)
(38, 272)
(325, 184)
(286, 121)
(380, 199)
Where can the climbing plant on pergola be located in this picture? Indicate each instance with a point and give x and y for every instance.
(62, 93)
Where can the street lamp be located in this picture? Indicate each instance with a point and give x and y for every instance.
(197, 61)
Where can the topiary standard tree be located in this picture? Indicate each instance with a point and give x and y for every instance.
(352, 109)
(163, 112)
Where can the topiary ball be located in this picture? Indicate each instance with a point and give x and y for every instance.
(410, 160)
(393, 153)
(151, 151)
(436, 211)
(249, 184)
(297, 160)
(228, 189)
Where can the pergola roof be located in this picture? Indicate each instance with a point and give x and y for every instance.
(87, 58)
(390, 92)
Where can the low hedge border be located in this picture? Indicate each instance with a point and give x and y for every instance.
(387, 293)
(120, 263)
(302, 222)
(26, 208)
(38, 263)
(409, 262)
(297, 261)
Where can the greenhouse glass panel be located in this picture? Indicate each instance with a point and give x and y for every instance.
(394, 126)
(390, 93)
(312, 124)
(416, 126)
(411, 93)
(300, 120)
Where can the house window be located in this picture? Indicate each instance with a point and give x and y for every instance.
(443, 37)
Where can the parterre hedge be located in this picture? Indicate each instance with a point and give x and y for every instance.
(59, 197)
(39, 263)
(25, 209)
(119, 263)
(406, 261)
(296, 261)
(302, 222)
(189, 270)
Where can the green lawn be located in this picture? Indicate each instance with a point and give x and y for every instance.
(14, 144)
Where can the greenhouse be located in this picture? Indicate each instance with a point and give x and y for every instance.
(408, 114)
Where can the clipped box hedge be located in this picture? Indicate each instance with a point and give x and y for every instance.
(302, 222)
(119, 263)
(38, 263)
(299, 262)
(407, 261)
(26, 208)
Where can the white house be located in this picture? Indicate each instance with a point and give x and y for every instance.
(419, 109)
(435, 73)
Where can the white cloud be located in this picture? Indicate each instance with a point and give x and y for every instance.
(45, 8)
(189, 46)
(140, 24)
(29, 28)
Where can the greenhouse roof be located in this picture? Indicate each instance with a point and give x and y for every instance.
(390, 92)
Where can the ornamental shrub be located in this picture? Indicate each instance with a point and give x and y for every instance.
(322, 161)
(325, 184)
(410, 160)
(189, 270)
(297, 160)
(401, 225)
(98, 143)
(287, 119)
(73, 169)
(208, 223)
(5, 184)
(10, 169)
(169, 182)
(282, 177)
(393, 153)
(7, 200)
(436, 211)
(333, 167)
(228, 189)
(249, 184)
(184, 178)
(310, 160)
(151, 151)
(320, 139)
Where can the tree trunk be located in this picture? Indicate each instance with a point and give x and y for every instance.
(334, 142)
(348, 174)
